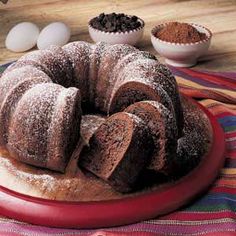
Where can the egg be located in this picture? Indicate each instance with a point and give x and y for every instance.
(22, 37)
(56, 33)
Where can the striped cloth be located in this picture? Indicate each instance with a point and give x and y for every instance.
(212, 214)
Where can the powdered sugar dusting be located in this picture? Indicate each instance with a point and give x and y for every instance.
(149, 71)
(95, 56)
(78, 51)
(89, 124)
(196, 136)
(116, 51)
(29, 125)
(152, 90)
(109, 59)
(124, 61)
(48, 184)
(52, 61)
(79, 55)
(168, 117)
(117, 71)
(63, 133)
(17, 75)
(11, 100)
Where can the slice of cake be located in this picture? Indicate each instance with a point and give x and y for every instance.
(119, 150)
(162, 125)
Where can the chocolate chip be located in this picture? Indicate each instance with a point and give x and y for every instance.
(115, 22)
(108, 24)
(134, 18)
(101, 16)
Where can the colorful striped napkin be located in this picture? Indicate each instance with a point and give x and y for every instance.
(212, 214)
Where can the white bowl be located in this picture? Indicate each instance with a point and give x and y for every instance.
(181, 54)
(129, 37)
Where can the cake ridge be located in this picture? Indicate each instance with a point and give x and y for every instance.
(10, 102)
(79, 55)
(11, 78)
(28, 136)
(109, 59)
(53, 61)
(65, 121)
(120, 66)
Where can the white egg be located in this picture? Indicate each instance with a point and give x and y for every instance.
(56, 33)
(22, 37)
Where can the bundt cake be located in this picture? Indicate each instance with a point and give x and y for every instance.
(43, 92)
(119, 149)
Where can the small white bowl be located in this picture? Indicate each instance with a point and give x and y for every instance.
(181, 54)
(129, 37)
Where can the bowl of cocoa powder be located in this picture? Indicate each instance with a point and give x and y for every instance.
(181, 43)
(116, 28)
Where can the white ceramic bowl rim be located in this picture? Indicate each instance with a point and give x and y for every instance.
(120, 33)
(208, 34)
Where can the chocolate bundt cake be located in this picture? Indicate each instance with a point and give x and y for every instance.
(119, 150)
(43, 92)
(163, 128)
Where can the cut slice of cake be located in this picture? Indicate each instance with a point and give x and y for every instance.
(162, 125)
(119, 150)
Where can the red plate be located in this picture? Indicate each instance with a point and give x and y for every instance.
(118, 212)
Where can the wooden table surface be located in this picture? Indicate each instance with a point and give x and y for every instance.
(217, 15)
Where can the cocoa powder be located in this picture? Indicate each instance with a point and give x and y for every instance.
(176, 32)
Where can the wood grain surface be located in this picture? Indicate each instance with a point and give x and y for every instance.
(218, 15)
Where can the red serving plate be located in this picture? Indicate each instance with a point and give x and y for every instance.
(122, 211)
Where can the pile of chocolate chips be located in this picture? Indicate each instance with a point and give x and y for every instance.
(115, 22)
